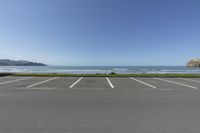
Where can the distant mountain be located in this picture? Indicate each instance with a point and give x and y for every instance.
(7, 62)
(194, 63)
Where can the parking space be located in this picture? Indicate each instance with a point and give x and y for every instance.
(197, 80)
(163, 84)
(22, 82)
(61, 82)
(92, 83)
(8, 78)
(127, 83)
(188, 82)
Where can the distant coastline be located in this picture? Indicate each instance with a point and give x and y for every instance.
(7, 62)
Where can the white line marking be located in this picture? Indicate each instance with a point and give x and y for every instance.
(143, 83)
(190, 80)
(41, 82)
(111, 85)
(15, 80)
(76, 82)
(169, 81)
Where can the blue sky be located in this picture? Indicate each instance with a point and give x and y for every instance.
(100, 32)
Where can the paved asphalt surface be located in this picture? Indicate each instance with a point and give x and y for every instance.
(91, 105)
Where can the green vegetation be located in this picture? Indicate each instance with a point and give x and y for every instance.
(111, 75)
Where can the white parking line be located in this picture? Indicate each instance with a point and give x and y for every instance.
(111, 85)
(169, 81)
(143, 83)
(41, 82)
(76, 82)
(11, 81)
(190, 80)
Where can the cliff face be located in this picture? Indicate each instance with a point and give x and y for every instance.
(194, 63)
(6, 62)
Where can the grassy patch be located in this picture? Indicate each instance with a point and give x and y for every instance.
(111, 75)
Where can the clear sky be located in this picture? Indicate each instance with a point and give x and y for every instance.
(100, 32)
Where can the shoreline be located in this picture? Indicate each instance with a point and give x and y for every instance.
(101, 69)
(102, 75)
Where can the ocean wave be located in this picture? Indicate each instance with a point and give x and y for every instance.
(103, 70)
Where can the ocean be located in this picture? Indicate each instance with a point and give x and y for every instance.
(99, 69)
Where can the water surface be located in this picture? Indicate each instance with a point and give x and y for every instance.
(99, 69)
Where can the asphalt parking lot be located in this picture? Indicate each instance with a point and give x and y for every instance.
(99, 105)
(98, 83)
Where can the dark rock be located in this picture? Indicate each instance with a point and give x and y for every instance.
(194, 63)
